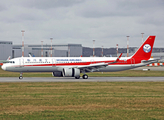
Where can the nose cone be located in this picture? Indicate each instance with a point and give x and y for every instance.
(3, 67)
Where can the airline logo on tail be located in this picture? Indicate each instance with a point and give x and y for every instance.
(147, 48)
(144, 52)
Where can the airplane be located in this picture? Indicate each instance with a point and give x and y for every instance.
(73, 66)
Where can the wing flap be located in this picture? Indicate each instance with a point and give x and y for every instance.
(92, 67)
(96, 65)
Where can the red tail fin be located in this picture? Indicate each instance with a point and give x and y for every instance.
(144, 52)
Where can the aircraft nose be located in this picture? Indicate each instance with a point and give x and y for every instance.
(3, 67)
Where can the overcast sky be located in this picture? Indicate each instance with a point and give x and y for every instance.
(81, 21)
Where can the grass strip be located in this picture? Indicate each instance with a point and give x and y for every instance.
(84, 100)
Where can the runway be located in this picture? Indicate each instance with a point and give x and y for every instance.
(90, 79)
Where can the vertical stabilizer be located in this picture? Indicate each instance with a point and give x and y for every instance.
(144, 52)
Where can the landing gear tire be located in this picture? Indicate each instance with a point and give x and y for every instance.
(20, 77)
(85, 76)
(77, 77)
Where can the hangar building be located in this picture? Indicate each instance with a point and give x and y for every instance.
(64, 50)
(5, 49)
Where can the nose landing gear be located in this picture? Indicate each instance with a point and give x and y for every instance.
(21, 76)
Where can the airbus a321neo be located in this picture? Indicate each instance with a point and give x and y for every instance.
(73, 66)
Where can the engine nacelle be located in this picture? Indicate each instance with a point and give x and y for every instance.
(57, 74)
(71, 72)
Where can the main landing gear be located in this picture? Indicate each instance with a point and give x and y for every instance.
(78, 77)
(85, 76)
(21, 76)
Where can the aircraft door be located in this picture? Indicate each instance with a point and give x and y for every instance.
(132, 62)
(92, 61)
(53, 62)
(21, 62)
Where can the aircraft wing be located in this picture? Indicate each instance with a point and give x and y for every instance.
(92, 67)
(8, 58)
(4, 61)
(96, 66)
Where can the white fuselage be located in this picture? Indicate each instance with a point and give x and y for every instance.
(53, 64)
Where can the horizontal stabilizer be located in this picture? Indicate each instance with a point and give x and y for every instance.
(150, 61)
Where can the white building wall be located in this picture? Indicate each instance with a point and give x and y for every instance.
(17, 53)
(5, 49)
(75, 50)
(36, 52)
(60, 53)
(57, 50)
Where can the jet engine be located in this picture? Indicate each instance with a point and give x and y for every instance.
(57, 74)
(71, 72)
